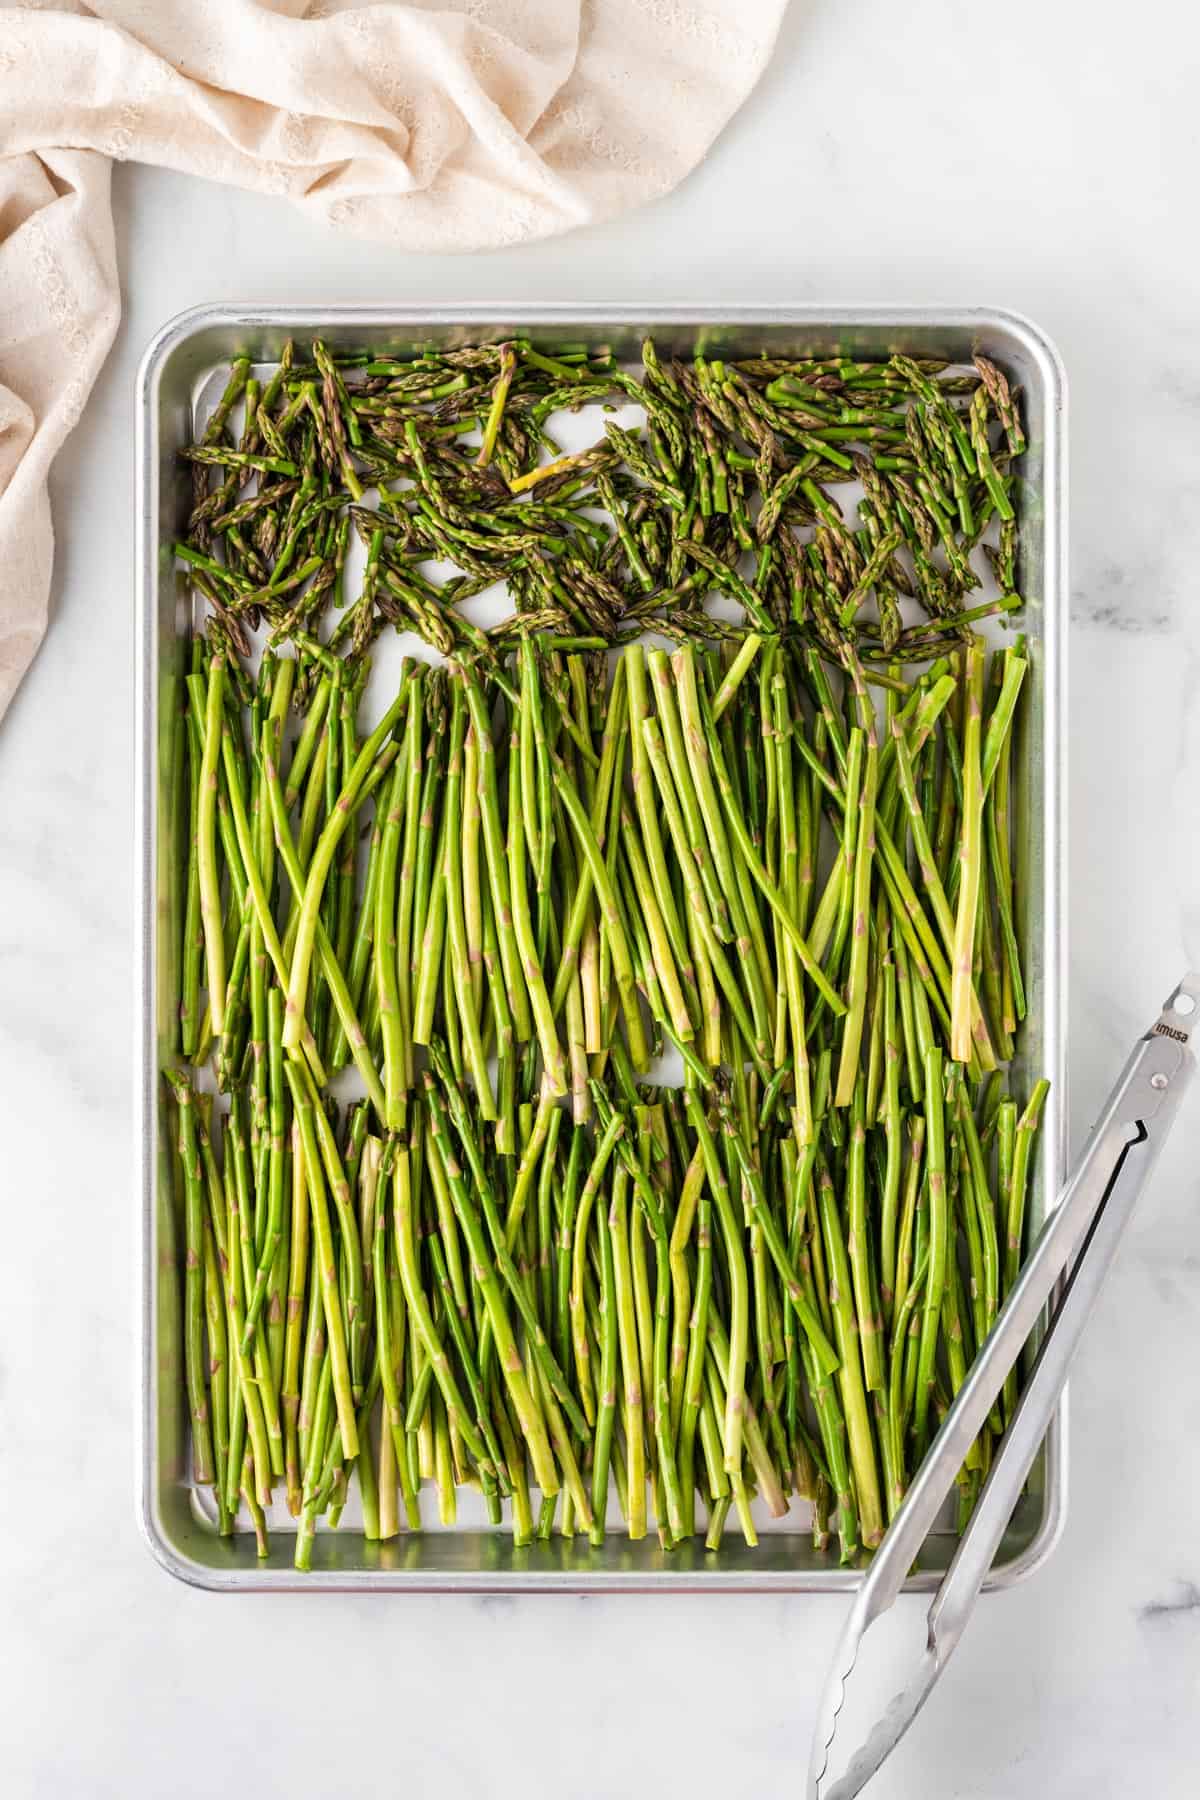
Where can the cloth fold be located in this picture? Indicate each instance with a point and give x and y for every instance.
(451, 125)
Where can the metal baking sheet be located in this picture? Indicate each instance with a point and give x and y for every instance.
(180, 366)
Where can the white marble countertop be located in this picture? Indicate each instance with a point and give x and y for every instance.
(891, 154)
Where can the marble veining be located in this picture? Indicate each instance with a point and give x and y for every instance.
(1183, 1603)
(893, 154)
(1112, 601)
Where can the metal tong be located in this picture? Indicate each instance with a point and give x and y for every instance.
(1086, 1225)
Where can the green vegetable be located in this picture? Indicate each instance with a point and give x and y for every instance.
(785, 851)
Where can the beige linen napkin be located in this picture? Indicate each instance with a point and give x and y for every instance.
(448, 125)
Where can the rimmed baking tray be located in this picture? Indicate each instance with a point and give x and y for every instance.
(177, 373)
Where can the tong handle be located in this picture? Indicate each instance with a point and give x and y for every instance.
(1142, 1106)
(972, 1560)
(1139, 1107)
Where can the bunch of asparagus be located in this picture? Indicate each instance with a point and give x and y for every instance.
(517, 1262)
(736, 466)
